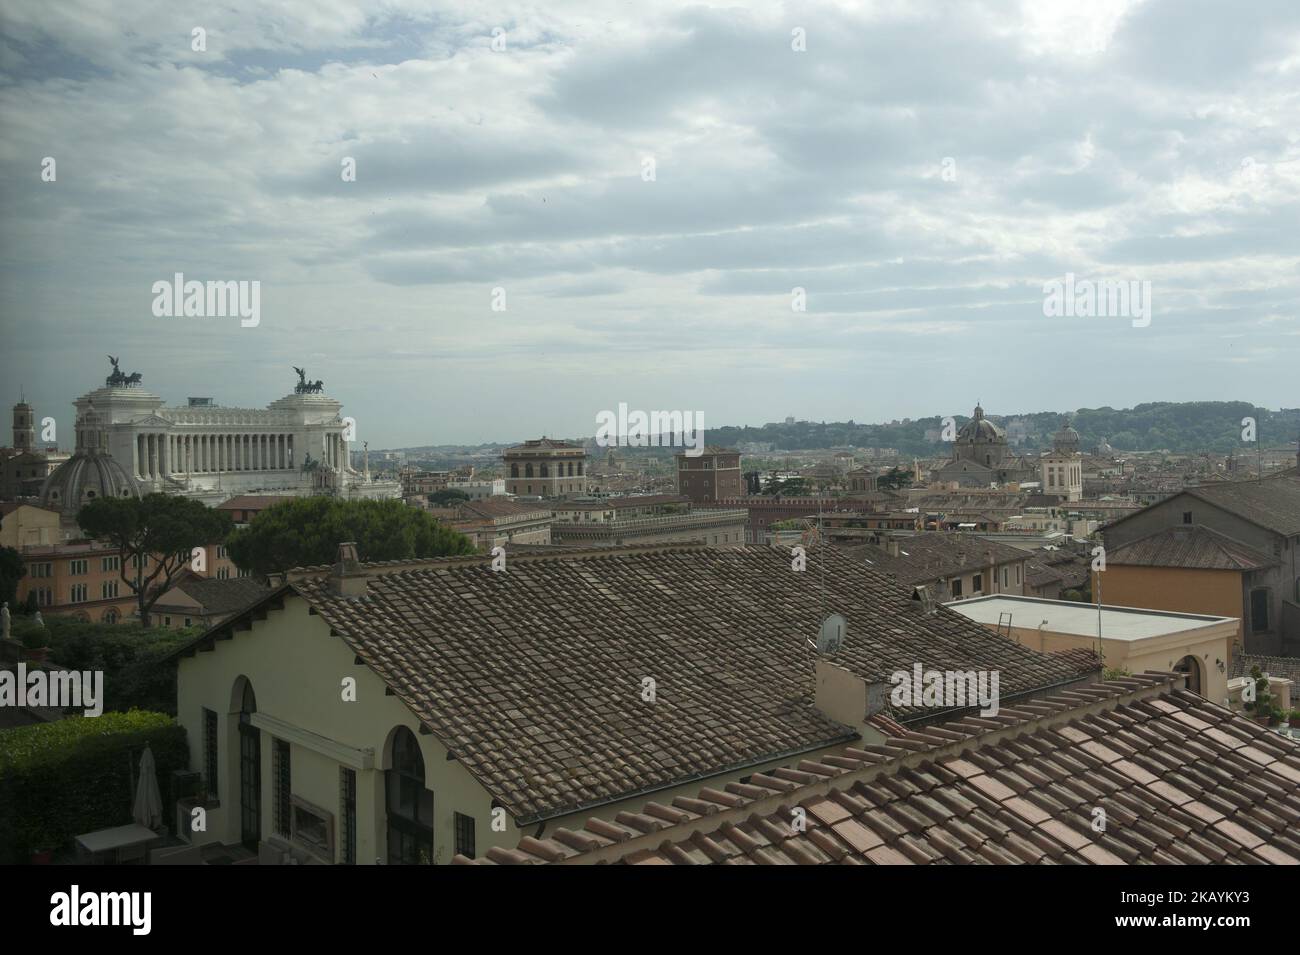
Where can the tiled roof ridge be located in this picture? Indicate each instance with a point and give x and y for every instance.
(601, 841)
(383, 567)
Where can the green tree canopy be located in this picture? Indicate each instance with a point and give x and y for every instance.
(11, 571)
(304, 531)
(155, 536)
(447, 496)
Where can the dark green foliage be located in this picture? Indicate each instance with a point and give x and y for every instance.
(11, 571)
(129, 656)
(58, 780)
(447, 497)
(306, 531)
(163, 528)
(895, 479)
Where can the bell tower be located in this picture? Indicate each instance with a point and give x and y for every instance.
(24, 426)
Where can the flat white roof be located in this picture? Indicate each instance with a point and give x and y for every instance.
(1080, 619)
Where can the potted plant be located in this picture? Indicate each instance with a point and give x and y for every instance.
(1260, 708)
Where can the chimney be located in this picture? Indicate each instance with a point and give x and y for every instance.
(892, 547)
(846, 698)
(347, 579)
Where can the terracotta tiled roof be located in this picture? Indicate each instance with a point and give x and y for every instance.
(933, 554)
(1273, 503)
(533, 677)
(490, 508)
(1180, 780)
(1083, 659)
(1063, 567)
(1189, 546)
(252, 502)
(223, 596)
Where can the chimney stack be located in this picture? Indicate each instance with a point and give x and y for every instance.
(845, 697)
(347, 578)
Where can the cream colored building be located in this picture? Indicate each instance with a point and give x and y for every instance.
(1131, 638)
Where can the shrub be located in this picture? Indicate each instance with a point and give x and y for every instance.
(129, 655)
(75, 775)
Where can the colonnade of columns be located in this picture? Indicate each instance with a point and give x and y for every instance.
(160, 454)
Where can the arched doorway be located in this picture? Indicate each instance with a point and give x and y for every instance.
(250, 770)
(410, 804)
(1192, 667)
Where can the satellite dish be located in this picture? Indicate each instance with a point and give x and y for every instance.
(831, 637)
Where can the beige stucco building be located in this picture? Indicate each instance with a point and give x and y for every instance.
(1131, 638)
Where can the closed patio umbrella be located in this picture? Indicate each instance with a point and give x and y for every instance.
(148, 800)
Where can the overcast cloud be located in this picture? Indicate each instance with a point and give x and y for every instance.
(1154, 140)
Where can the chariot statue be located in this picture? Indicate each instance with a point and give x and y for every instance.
(119, 378)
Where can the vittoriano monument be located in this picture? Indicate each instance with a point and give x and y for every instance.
(119, 379)
(305, 387)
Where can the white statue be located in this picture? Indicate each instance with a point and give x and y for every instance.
(37, 619)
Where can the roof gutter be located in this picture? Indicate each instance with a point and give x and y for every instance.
(546, 816)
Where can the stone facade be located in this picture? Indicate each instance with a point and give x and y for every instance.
(128, 442)
(546, 468)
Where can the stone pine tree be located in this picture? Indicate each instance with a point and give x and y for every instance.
(307, 531)
(155, 537)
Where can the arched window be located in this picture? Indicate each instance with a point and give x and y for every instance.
(110, 615)
(546, 470)
(570, 469)
(250, 771)
(410, 804)
(579, 469)
(514, 470)
(528, 470)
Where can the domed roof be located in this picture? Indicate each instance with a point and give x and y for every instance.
(1066, 438)
(980, 428)
(86, 475)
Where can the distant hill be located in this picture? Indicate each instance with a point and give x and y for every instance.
(1176, 426)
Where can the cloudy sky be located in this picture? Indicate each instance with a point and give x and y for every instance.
(921, 169)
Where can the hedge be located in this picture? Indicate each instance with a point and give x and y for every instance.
(135, 676)
(75, 775)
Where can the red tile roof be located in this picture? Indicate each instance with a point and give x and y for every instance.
(533, 677)
(1192, 547)
(1178, 780)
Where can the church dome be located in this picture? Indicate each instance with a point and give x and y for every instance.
(1066, 439)
(86, 475)
(980, 429)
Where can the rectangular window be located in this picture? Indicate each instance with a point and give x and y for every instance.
(1259, 610)
(210, 751)
(1006, 576)
(78, 567)
(280, 772)
(110, 564)
(956, 587)
(977, 583)
(1187, 517)
(348, 816)
(1017, 573)
(78, 593)
(108, 589)
(464, 835)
